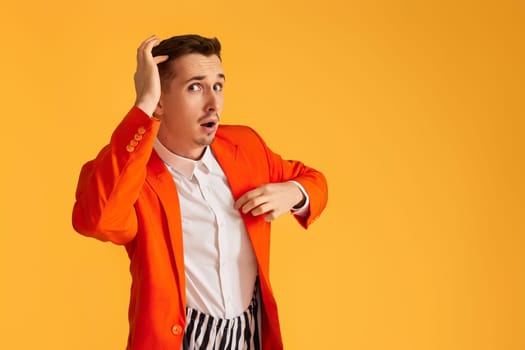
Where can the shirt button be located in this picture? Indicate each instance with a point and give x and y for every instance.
(133, 142)
(177, 329)
(141, 130)
(130, 148)
(137, 137)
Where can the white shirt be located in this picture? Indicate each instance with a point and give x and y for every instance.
(219, 262)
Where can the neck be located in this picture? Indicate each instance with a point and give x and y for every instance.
(195, 153)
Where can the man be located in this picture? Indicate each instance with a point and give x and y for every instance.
(192, 203)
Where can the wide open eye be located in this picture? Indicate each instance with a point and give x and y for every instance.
(194, 87)
(217, 87)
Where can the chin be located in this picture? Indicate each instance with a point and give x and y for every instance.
(205, 141)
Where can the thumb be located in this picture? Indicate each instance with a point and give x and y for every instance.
(160, 59)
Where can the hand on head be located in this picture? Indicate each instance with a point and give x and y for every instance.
(147, 80)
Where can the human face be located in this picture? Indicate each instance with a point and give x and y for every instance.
(190, 106)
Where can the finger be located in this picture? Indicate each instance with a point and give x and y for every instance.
(261, 209)
(253, 203)
(160, 59)
(270, 216)
(146, 46)
(150, 44)
(145, 42)
(245, 198)
(242, 199)
(148, 40)
(273, 214)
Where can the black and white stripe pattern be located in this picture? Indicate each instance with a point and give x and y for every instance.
(205, 332)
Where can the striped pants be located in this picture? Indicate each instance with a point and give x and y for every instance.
(205, 332)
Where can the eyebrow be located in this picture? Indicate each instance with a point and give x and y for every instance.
(202, 77)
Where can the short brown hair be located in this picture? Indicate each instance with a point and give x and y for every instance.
(181, 45)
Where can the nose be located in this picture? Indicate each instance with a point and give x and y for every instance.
(213, 103)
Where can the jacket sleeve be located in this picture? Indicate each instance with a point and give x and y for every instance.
(109, 185)
(312, 180)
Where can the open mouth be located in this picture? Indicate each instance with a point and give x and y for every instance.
(209, 124)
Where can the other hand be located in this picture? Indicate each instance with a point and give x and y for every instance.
(271, 200)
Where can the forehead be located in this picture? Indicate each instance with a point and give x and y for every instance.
(191, 65)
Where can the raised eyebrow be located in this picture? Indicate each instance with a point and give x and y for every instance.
(197, 77)
(202, 77)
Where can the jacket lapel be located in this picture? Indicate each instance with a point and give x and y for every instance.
(162, 183)
(230, 158)
(226, 154)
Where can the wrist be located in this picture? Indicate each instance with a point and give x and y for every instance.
(146, 107)
(300, 198)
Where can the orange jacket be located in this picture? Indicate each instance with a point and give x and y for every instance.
(127, 196)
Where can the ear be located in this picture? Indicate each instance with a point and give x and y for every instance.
(159, 111)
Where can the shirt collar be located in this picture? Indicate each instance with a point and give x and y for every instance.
(182, 165)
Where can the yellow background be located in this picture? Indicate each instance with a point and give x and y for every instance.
(414, 110)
